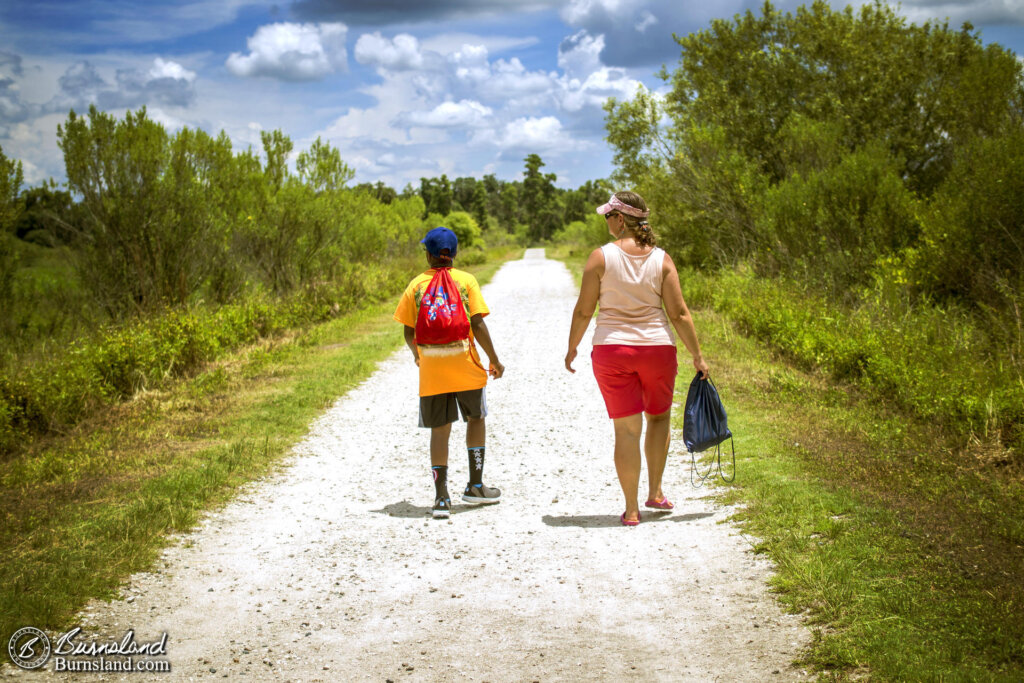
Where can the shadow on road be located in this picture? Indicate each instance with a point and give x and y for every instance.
(613, 520)
(407, 510)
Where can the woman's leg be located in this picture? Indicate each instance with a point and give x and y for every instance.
(656, 451)
(627, 459)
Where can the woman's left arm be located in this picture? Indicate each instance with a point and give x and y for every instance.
(586, 304)
(679, 314)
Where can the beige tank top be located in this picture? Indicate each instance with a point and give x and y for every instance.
(630, 310)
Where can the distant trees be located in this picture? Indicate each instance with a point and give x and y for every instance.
(533, 208)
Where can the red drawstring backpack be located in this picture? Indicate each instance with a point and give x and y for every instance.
(442, 317)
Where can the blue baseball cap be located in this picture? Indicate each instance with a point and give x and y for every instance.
(439, 239)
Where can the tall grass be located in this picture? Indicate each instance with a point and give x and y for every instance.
(937, 364)
(48, 393)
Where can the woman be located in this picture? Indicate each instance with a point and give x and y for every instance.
(634, 354)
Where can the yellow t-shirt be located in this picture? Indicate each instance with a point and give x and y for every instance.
(446, 367)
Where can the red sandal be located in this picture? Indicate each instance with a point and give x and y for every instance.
(629, 522)
(663, 504)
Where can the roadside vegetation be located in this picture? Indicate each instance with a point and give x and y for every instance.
(844, 194)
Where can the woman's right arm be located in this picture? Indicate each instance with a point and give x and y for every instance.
(679, 314)
(586, 304)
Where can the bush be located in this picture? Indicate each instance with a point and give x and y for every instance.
(464, 227)
(936, 363)
(972, 241)
(590, 232)
(832, 225)
(55, 392)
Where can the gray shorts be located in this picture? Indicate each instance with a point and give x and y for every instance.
(442, 409)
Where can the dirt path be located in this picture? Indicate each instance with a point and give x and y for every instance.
(332, 569)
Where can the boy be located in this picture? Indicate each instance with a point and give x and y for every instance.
(452, 380)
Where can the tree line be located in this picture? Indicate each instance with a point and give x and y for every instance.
(532, 208)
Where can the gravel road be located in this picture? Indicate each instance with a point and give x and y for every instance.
(332, 569)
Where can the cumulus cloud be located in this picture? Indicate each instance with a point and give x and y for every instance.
(400, 54)
(461, 114)
(293, 52)
(640, 33)
(448, 43)
(579, 55)
(384, 12)
(531, 134)
(958, 11)
(165, 83)
(10, 65)
(12, 107)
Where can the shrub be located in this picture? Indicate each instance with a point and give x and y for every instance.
(936, 363)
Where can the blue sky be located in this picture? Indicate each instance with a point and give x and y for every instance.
(403, 89)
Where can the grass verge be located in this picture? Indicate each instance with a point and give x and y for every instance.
(82, 512)
(903, 549)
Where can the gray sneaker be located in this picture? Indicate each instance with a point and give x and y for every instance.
(442, 508)
(478, 494)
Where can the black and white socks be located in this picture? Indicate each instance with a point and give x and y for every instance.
(476, 466)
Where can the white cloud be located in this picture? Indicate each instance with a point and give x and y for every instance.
(532, 134)
(165, 83)
(293, 52)
(644, 21)
(461, 114)
(400, 54)
(596, 89)
(579, 55)
(172, 70)
(975, 11)
(449, 43)
(502, 80)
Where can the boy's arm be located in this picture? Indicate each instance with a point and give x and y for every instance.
(410, 341)
(483, 336)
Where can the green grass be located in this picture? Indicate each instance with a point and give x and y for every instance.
(902, 548)
(82, 512)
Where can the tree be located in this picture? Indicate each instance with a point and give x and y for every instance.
(463, 192)
(479, 204)
(154, 222)
(11, 177)
(540, 201)
(10, 183)
(292, 232)
(47, 217)
(442, 197)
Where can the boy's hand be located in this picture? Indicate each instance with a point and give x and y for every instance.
(496, 370)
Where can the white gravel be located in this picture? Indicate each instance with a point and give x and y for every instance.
(332, 570)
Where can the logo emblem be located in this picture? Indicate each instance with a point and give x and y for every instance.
(29, 648)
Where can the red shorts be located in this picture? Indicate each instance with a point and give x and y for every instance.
(635, 379)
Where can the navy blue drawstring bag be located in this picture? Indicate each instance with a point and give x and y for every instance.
(705, 425)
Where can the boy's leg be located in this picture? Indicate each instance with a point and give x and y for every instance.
(438, 413)
(439, 445)
(476, 438)
(473, 405)
(439, 468)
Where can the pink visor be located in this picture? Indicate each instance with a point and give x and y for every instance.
(615, 205)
